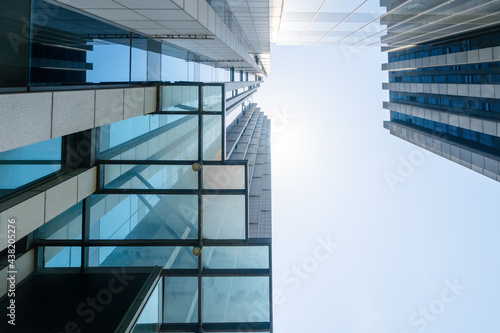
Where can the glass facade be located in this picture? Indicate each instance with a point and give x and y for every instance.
(165, 189)
(164, 192)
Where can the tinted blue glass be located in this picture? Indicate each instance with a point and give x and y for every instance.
(55, 256)
(23, 165)
(236, 257)
(140, 256)
(151, 137)
(180, 300)
(151, 313)
(143, 217)
(235, 299)
(111, 62)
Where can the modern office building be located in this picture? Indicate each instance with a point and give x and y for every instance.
(135, 191)
(444, 81)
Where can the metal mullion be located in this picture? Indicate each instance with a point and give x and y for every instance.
(223, 101)
(118, 242)
(230, 272)
(200, 207)
(85, 234)
(147, 191)
(247, 199)
(271, 287)
(147, 162)
(179, 272)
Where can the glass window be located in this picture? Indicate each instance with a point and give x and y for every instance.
(24, 165)
(224, 177)
(179, 98)
(212, 138)
(158, 137)
(212, 98)
(140, 256)
(116, 216)
(236, 257)
(224, 216)
(56, 256)
(180, 300)
(150, 318)
(235, 299)
(130, 176)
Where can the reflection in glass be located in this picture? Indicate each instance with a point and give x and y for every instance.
(179, 98)
(212, 138)
(228, 177)
(235, 299)
(237, 257)
(130, 176)
(180, 300)
(57, 256)
(212, 98)
(23, 165)
(150, 318)
(67, 225)
(224, 216)
(158, 137)
(116, 216)
(139, 256)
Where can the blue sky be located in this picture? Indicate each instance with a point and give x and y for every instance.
(394, 252)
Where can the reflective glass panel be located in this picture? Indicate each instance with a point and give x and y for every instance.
(229, 177)
(130, 176)
(115, 216)
(212, 98)
(23, 165)
(150, 317)
(235, 299)
(180, 300)
(179, 98)
(139, 256)
(67, 225)
(158, 137)
(212, 138)
(57, 256)
(224, 216)
(236, 257)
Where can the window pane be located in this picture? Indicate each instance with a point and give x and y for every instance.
(235, 299)
(67, 225)
(56, 256)
(212, 98)
(150, 317)
(158, 137)
(230, 177)
(115, 216)
(181, 300)
(23, 165)
(179, 98)
(212, 138)
(236, 257)
(138, 256)
(122, 176)
(224, 216)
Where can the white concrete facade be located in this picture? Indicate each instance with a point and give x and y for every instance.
(38, 116)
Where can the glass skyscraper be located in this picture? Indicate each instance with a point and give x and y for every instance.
(135, 185)
(444, 82)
